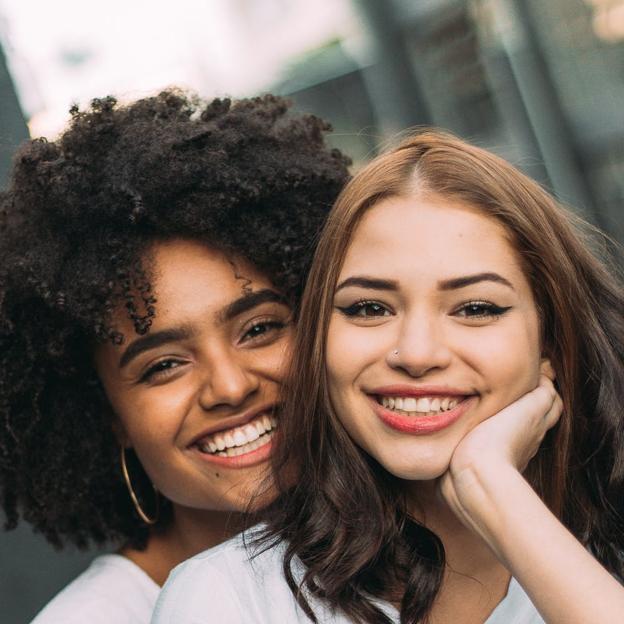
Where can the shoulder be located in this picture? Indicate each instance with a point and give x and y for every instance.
(111, 589)
(234, 582)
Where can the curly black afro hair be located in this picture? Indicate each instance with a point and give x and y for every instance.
(246, 177)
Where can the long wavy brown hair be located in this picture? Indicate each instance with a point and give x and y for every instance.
(345, 518)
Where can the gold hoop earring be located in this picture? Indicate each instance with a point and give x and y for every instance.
(133, 496)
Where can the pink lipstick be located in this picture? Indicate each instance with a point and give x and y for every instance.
(427, 422)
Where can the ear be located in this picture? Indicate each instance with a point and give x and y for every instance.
(547, 369)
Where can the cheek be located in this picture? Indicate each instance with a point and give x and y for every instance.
(272, 361)
(159, 406)
(151, 420)
(353, 355)
(351, 349)
(334, 355)
(346, 353)
(339, 367)
(508, 359)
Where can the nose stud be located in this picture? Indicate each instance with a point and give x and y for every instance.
(392, 358)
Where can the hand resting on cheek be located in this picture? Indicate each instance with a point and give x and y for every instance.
(507, 440)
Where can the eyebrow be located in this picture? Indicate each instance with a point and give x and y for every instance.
(154, 340)
(468, 280)
(249, 301)
(368, 282)
(184, 332)
(449, 284)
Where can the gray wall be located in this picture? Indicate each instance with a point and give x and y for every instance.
(31, 572)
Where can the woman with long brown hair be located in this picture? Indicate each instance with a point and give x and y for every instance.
(433, 472)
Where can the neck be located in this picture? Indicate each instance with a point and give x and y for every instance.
(466, 553)
(474, 580)
(190, 532)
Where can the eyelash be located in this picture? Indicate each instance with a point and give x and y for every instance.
(157, 370)
(270, 324)
(360, 306)
(487, 309)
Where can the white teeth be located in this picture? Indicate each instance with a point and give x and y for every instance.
(239, 438)
(245, 438)
(388, 402)
(423, 406)
(247, 448)
(409, 405)
(251, 433)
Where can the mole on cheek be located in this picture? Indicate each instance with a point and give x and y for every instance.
(217, 475)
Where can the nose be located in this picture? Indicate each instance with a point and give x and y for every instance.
(420, 348)
(228, 382)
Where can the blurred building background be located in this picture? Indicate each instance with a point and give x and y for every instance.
(541, 83)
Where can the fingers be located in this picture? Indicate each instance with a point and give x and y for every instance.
(545, 407)
(547, 369)
(551, 409)
(547, 397)
(539, 401)
(551, 418)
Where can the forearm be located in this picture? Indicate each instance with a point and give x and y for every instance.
(566, 584)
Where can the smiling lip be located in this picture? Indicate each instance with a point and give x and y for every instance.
(247, 460)
(420, 425)
(234, 421)
(419, 391)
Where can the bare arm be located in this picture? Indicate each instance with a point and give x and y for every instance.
(485, 488)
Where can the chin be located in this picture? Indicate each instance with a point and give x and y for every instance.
(410, 470)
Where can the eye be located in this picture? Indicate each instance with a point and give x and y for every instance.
(263, 330)
(365, 309)
(480, 310)
(161, 370)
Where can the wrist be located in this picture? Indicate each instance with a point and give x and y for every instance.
(486, 493)
(482, 481)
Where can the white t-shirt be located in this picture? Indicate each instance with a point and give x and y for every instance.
(227, 586)
(112, 590)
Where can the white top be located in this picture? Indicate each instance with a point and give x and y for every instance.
(228, 586)
(112, 589)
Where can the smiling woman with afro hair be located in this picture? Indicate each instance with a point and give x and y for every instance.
(152, 262)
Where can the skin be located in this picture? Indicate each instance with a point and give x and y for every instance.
(219, 369)
(440, 340)
(465, 480)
